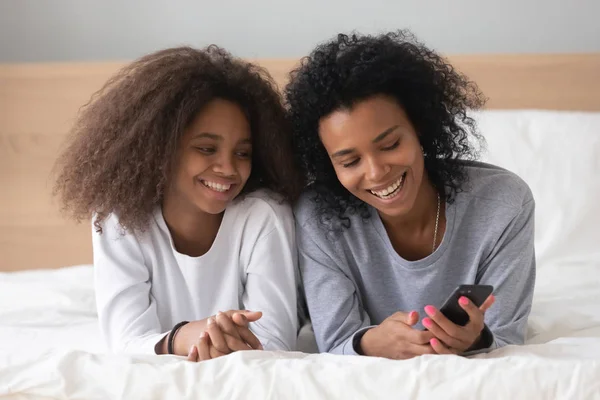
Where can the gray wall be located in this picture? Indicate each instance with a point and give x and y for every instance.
(66, 30)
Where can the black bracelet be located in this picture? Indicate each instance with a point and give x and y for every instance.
(171, 336)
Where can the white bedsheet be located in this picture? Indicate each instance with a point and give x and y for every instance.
(50, 347)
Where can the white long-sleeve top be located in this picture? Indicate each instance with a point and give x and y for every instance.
(144, 286)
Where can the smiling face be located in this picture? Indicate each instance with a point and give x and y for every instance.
(215, 158)
(376, 154)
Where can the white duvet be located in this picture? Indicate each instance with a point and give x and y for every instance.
(50, 348)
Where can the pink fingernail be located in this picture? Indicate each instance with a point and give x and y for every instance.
(434, 342)
(427, 322)
(430, 310)
(412, 314)
(463, 300)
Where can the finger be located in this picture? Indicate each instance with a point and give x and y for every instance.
(451, 329)
(487, 303)
(251, 339)
(203, 347)
(252, 316)
(236, 344)
(475, 325)
(400, 317)
(214, 353)
(441, 335)
(416, 336)
(439, 347)
(414, 350)
(216, 336)
(193, 354)
(227, 326)
(239, 319)
(412, 318)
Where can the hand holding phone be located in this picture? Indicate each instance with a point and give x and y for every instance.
(458, 324)
(477, 294)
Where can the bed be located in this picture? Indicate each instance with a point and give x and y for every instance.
(542, 122)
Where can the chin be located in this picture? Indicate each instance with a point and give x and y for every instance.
(213, 202)
(396, 210)
(215, 211)
(212, 209)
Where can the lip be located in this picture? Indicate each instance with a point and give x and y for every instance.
(390, 183)
(398, 197)
(220, 181)
(220, 196)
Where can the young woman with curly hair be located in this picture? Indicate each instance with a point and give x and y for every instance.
(398, 213)
(183, 160)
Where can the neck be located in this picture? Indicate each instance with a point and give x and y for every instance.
(419, 218)
(193, 231)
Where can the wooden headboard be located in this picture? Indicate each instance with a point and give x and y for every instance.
(38, 103)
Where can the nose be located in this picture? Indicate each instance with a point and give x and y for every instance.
(376, 169)
(225, 165)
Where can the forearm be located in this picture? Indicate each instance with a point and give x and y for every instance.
(512, 272)
(271, 288)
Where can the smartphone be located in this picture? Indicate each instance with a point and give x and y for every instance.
(476, 293)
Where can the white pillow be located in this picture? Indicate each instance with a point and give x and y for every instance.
(558, 155)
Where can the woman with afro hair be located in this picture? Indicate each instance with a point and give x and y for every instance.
(398, 212)
(184, 162)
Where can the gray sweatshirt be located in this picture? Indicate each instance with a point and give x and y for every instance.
(354, 279)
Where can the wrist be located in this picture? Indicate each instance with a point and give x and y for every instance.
(483, 341)
(362, 343)
(161, 347)
(173, 335)
(187, 336)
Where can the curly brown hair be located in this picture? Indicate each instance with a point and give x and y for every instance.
(124, 143)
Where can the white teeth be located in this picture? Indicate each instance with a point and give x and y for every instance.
(216, 186)
(390, 189)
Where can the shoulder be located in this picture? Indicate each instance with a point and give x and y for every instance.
(111, 231)
(262, 209)
(111, 228)
(116, 248)
(496, 185)
(316, 225)
(305, 209)
(312, 218)
(262, 203)
(115, 239)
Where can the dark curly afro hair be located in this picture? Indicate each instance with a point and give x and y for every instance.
(340, 73)
(124, 143)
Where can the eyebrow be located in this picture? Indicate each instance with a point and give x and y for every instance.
(207, 135)
(379, 138)
(385, 134)
(217, 137)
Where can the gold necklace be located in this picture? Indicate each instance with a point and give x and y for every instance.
(437, 219)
